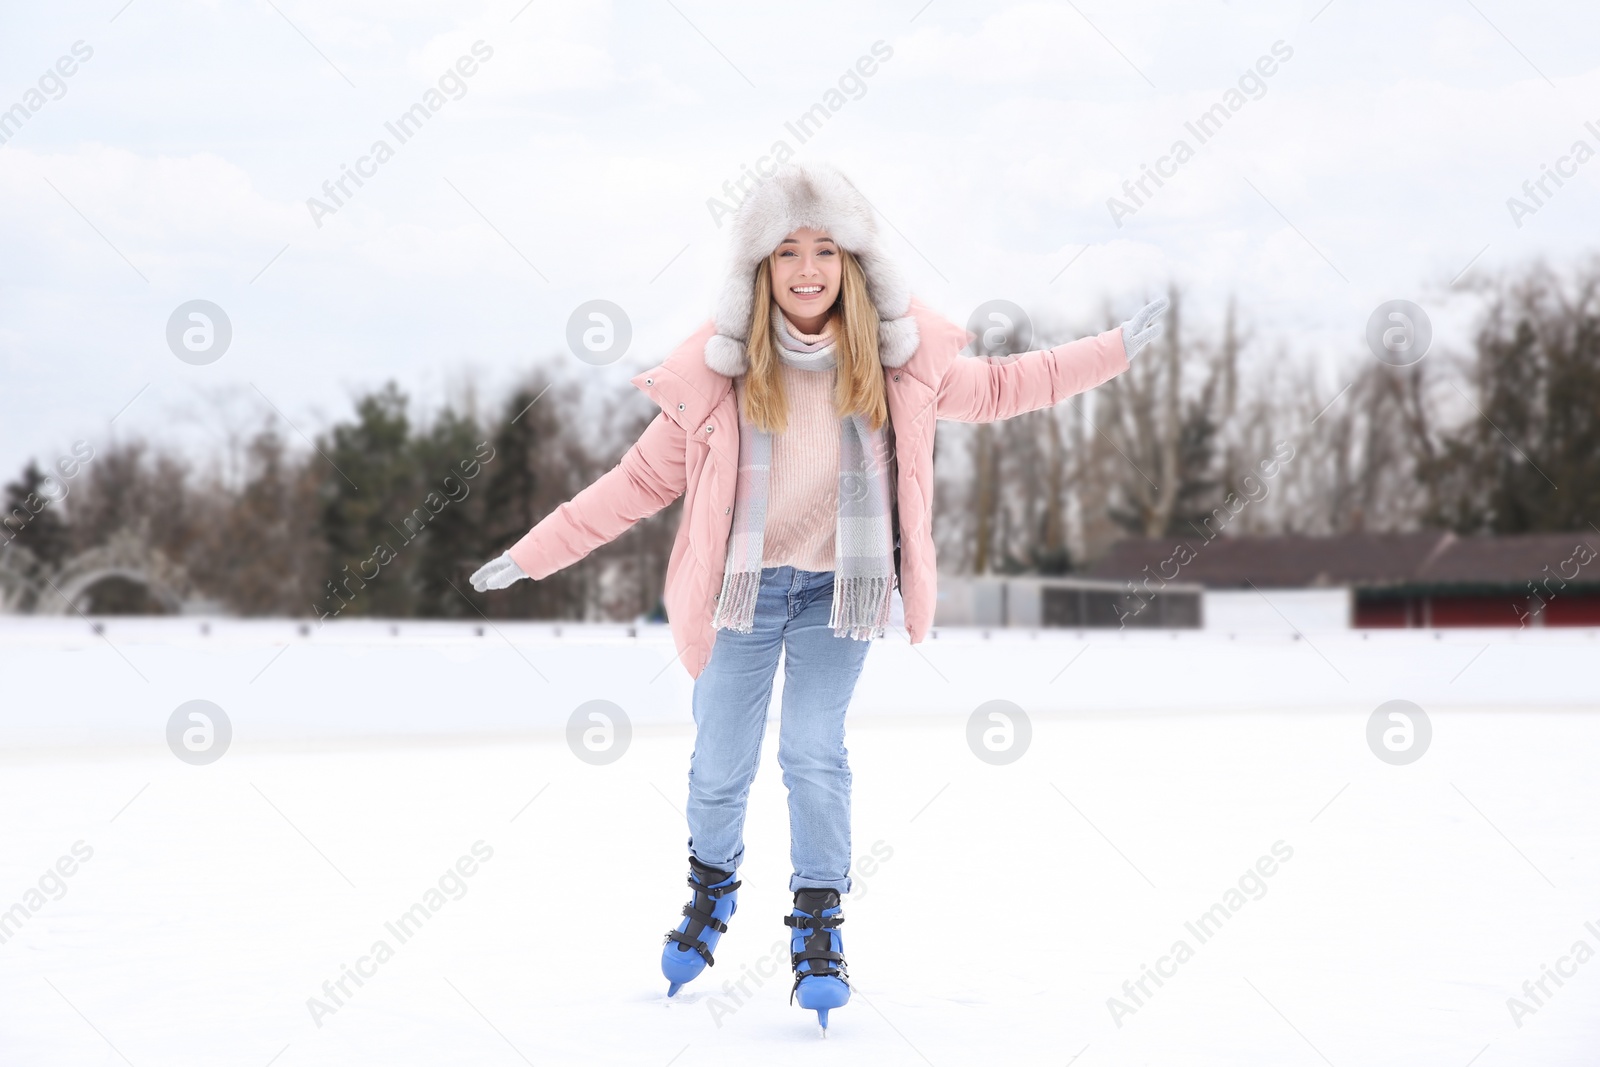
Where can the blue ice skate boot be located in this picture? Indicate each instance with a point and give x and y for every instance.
(817, 953)
(705, 919)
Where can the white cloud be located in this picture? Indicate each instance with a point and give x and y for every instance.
(1028, 44)
(593, 138)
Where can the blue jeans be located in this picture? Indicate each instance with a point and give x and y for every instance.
(731, 698)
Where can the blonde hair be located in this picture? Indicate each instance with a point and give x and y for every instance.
(860, 381)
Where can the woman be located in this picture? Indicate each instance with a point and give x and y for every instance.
(798, 426)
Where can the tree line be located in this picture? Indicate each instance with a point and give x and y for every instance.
(384, 515)
(1502, 438)
(386, 512)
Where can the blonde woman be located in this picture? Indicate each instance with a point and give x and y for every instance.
(798, 425)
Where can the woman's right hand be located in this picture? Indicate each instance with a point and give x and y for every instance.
(497, 573)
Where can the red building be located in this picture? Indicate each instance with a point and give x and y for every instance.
(1429, 579)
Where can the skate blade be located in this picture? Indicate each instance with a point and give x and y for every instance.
(822, 1020)
(673, 987)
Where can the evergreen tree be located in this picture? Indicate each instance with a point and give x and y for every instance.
(1528, 459)
(1200, 488)
(511, 496)
(539, 463)
(454, 543)
(33, 520)
(373, 510)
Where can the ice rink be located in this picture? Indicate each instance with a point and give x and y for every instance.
(1206, 789)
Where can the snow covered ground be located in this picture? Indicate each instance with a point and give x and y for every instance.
(1359, 912)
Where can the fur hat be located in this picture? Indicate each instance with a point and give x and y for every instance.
(820, 197)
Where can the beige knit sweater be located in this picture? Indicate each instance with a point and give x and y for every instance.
(803, 494)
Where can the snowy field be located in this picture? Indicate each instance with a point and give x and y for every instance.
(1359, 912)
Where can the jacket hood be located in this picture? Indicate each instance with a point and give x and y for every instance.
(818, 196)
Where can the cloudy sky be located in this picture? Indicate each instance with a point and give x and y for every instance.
(579, 159)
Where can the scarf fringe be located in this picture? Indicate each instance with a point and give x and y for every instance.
(736, 604)
(861, 605)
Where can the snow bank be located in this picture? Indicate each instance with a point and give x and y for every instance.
(280, 680)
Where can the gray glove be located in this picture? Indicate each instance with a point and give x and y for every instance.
(1144, 327)
(497, 573)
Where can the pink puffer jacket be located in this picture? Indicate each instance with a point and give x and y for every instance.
(692, 449)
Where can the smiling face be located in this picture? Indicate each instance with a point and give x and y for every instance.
(805, 278)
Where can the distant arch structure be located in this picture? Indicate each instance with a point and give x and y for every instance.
(122, 577)
(114, 591)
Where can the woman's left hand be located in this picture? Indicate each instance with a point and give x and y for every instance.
(1144, 327)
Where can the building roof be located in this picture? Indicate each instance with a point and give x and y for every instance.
(1430, 558)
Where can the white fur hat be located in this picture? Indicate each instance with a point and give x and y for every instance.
(817, 196)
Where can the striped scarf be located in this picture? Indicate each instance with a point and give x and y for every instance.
(863, 576)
